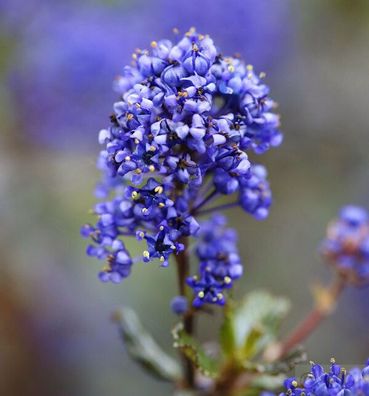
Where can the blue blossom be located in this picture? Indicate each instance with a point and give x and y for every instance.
(346, 247)
(219, 262)
(179, 305)
(335, 382)
(179, 136)
(255, 193)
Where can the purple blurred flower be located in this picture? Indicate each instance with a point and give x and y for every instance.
(65, 62)
(68, 54)
(346, 246)
(257, 29)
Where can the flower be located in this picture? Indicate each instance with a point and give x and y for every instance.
(179, 305)
(179, 137)
(219, 262)
(255, 194)
(335, 382)
(346, 247)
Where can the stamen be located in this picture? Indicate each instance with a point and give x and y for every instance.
(135, 195)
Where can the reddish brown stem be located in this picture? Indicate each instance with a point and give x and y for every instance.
(322, 309)
(188, 319)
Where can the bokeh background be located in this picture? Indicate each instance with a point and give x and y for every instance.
(57, 64)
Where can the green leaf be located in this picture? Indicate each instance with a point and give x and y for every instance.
(227, 333)
(256, 322)
(268, 382)
(143, 348)
(194, 351)
(263, 382)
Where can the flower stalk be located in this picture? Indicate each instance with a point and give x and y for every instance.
(183, 267)
(326, 301)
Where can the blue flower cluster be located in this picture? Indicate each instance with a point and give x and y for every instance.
(336, 382)
(219, 262)
(178, 139)
(346, 246)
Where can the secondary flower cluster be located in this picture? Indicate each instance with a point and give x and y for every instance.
(219, 262)
(178, 139)
(346, 246)
(336, 382)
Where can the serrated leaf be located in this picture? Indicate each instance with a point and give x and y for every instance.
(194, 351)
(142, 347)
(294, 357)
(256, 322)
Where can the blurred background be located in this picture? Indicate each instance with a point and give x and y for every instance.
(57, 64)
